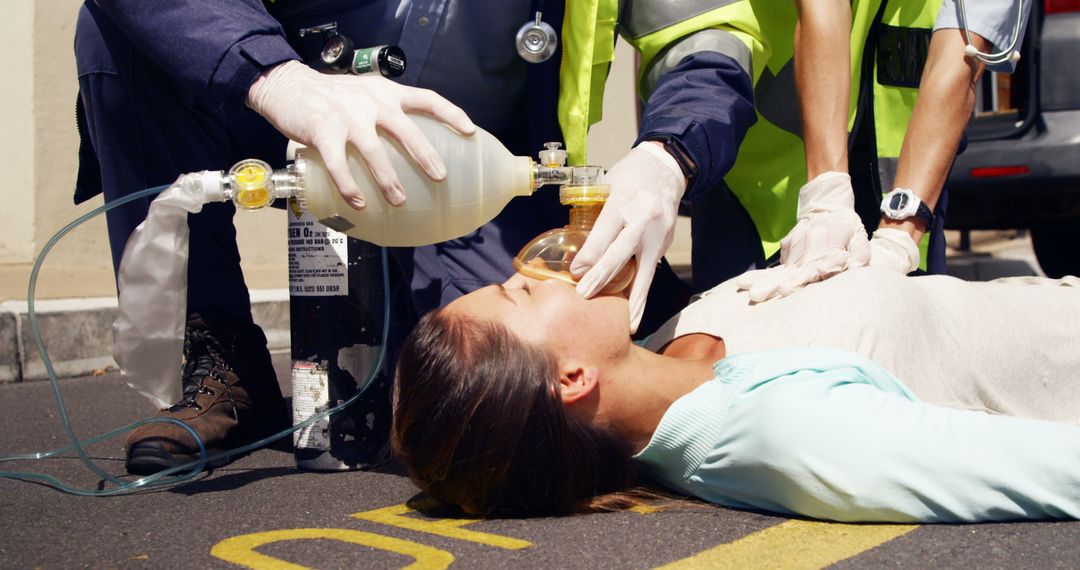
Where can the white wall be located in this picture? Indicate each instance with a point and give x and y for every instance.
(17, 144)
(611, 137)
(39, 158)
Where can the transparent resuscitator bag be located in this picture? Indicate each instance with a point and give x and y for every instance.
(148, 333)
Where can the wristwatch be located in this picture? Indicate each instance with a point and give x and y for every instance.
(902, 204)
(678, 152)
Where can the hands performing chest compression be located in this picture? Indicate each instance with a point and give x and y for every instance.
(829, 238)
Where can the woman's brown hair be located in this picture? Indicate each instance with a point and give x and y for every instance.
(479, 424)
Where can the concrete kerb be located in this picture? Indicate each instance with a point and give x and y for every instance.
(78, 334)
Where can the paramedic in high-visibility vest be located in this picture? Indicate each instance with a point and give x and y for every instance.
(739, 223)
(829, 236)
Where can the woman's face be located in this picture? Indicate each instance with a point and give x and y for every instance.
(552, 314)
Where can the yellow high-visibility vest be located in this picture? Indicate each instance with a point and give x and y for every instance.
(771, 166)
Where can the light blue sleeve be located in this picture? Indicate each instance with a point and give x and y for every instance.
(995, 20)
(817, 444)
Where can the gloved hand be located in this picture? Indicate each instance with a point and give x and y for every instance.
(329, 111)
(637, 220)
(829, 238)
(894, 249)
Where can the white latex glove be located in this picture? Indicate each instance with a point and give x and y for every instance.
(894, 249)
(329, 111)
(637, 220)
(829, 238)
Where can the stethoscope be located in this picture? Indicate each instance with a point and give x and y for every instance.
(1008, 54)
(536, 40)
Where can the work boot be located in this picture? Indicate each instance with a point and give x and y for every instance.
(231, 397)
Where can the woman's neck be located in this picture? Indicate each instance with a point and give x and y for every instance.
(649, 383)
(695, 346)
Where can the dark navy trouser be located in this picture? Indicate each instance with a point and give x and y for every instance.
(144, 133)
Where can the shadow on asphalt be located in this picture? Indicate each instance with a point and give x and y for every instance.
(216, 482)
(226, 479)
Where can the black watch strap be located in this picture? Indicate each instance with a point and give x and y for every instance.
(675, 149)
(925, 214)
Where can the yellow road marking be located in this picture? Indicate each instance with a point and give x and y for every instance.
(645, 509)
(241, 549)
(450, 528)
(794, 544)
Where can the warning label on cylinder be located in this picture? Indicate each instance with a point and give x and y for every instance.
(310, 396)
(317, 258)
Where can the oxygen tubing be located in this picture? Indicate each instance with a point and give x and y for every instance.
(173, 475)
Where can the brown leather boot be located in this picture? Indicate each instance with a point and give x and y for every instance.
(231, 398)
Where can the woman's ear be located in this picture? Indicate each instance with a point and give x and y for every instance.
(577, 383)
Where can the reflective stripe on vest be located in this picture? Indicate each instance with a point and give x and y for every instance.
(720, 41)
(643, 17)
(589, 46)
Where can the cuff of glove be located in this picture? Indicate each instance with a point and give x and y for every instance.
(828, 192)
(662, 156)
(902, 251)
(263, 86)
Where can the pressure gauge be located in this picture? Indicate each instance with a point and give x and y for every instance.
(337, 52)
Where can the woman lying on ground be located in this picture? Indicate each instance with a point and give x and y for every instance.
(526, 399)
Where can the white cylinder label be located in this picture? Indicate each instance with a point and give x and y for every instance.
(318, 255)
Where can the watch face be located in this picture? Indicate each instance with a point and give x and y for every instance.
(898, 202)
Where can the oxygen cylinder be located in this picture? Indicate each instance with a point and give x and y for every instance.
(336, 300)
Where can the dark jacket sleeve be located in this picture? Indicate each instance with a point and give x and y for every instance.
(214, 50)
(706, 103)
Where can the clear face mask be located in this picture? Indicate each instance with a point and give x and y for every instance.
(549, 255)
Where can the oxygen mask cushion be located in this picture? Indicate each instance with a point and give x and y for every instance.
(549, 257)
